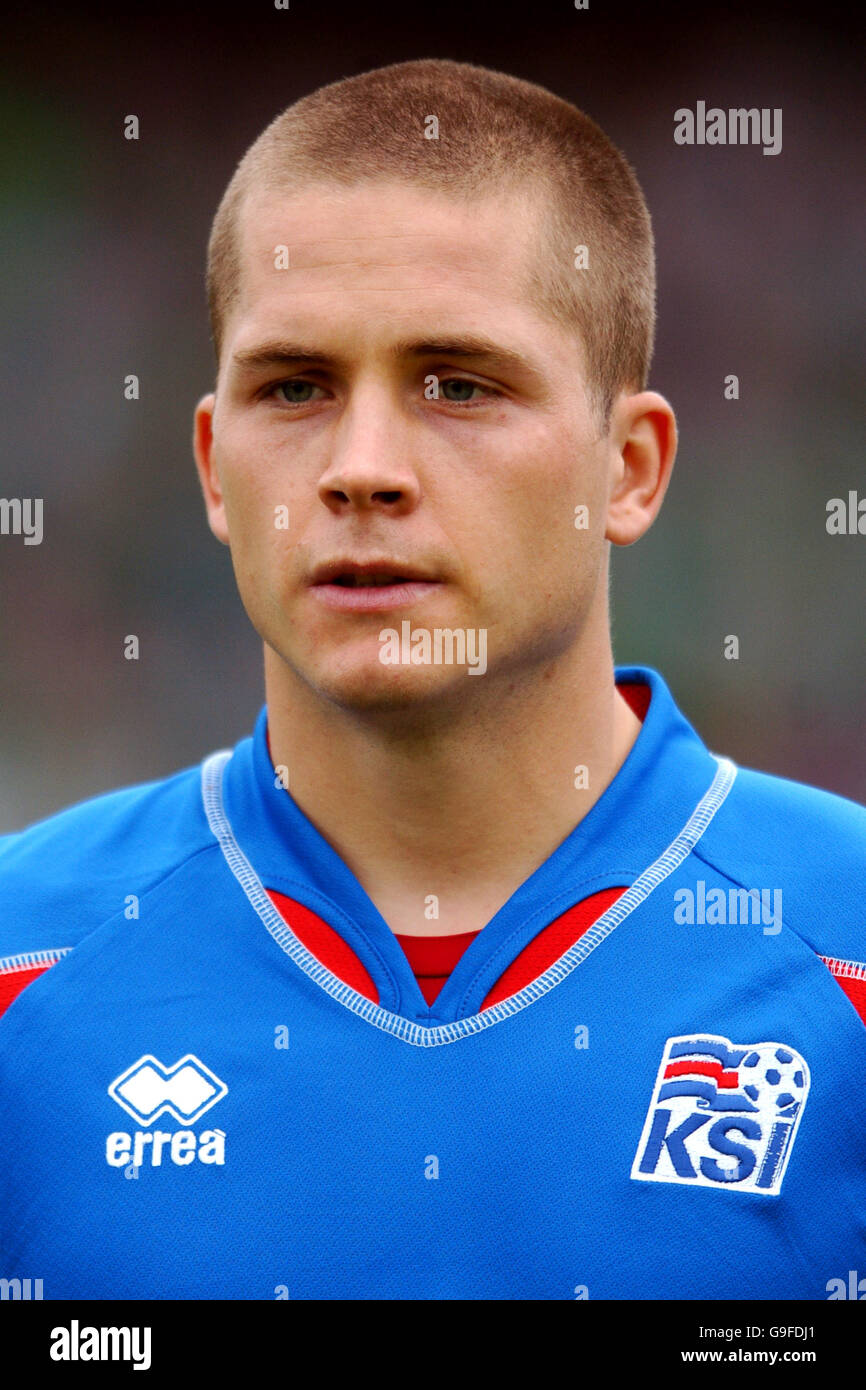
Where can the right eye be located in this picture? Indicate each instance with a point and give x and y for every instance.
(287, 391)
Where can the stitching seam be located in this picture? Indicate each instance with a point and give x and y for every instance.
(416, 1034)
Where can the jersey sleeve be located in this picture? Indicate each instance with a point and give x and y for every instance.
(61, 878)
(808, 847)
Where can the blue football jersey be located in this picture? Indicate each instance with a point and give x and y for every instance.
(193, 1105)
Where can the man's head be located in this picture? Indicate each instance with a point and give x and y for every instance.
(378, 436)
(471, 134)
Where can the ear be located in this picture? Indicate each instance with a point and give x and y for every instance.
(203, 450)
(643, 444)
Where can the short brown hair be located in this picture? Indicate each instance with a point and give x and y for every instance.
(496, 134)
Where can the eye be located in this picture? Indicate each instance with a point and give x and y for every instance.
(295, 391)
(463, 386)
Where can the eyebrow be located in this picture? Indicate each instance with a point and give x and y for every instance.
(281, 352)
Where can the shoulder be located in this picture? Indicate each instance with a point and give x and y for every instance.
(768, 818)
(775, 834)
(64, 876)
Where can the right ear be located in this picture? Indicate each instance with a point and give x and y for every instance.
(203, 450)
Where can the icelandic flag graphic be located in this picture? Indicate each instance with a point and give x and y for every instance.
(723, 1115)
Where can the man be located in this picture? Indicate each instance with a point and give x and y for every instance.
(472, 973)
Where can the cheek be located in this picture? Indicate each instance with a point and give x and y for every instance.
(259, 528)
(557, 515)
(552, 546)
(253, 493)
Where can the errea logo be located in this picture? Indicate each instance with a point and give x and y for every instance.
(185, 1090)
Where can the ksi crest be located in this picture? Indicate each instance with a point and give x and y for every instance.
(723, 1115)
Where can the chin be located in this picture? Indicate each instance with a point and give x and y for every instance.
(372, 689)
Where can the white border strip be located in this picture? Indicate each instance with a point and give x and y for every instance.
(30, 959)
(416, 1033)
(845, 969)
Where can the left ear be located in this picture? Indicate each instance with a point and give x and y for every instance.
(643, 445)
(202, 448)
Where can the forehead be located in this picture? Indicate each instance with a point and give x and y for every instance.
(379, 246)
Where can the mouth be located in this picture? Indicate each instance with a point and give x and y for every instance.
(368, 581)
(357, 587)
(381, 571)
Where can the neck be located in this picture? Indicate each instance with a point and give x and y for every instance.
(458, 811)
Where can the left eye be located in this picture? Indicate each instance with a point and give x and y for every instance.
(287, 390)
(463, 387)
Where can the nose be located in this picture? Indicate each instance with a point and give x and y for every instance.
(370, 463)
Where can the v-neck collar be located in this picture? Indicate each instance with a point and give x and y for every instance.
(667, 771)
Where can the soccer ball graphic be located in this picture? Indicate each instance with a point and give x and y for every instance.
(775, 1079)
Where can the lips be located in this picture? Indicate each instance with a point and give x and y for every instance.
(373, 586)
(355, 574)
